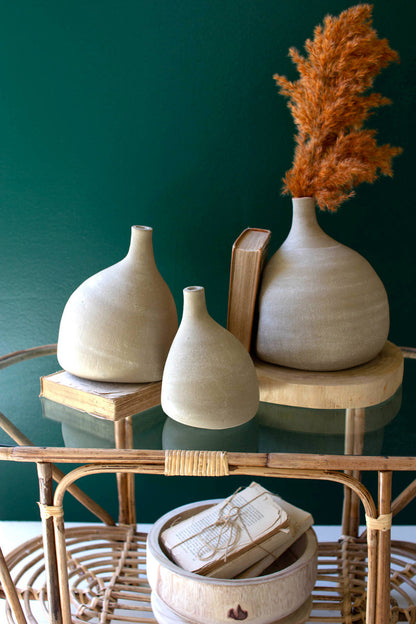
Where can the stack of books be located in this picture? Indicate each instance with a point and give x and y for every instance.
(239, 537)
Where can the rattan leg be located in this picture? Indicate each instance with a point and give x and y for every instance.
(62, 575)
(131, 477)
(124, 439)
(348, 447)
(354, 443)
(384, 548)
(46, 498)
(10, 591)
(372, 576)
(359, 430)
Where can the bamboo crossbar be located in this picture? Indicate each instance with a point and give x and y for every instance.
(409, 352)
(26, 354)
(154, 460)
(404, 498)
(338, 477)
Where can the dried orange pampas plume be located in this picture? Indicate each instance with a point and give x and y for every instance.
(330, 103)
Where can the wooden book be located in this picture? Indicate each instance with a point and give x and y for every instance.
(108, 400)
(247, 260)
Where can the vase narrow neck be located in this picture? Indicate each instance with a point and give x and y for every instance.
(141, 245)
(194, 304)
(305, 229)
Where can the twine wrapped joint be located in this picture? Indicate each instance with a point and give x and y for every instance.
(196, 463)
(382, 523)
(50, 511)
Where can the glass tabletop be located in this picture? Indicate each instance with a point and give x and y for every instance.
(389, 428)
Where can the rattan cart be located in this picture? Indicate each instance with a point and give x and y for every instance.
(98, 575)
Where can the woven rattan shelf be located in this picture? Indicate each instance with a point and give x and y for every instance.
(108, 585)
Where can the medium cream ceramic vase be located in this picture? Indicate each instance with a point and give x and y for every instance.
(321, 306)
(119, 324)
(209, 379)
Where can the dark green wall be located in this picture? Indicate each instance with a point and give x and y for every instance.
(164, 113)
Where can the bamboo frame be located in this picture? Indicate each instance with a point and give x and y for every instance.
(15, 434)
(329, 468)
(337, 477)
(26, 354)
(155, 459)
(345, 470)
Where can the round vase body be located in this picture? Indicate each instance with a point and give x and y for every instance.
(321, 306)
(119, 324)
(209, 380)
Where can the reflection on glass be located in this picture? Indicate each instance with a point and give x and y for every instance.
(83, 430)
(275, 428)
(287, 429)
(243, 438)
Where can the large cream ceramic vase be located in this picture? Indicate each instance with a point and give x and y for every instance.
(209, 379)
(321, 306)
(119, 324)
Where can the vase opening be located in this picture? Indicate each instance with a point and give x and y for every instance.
(141, 246)
(193, 288)
(147, 228)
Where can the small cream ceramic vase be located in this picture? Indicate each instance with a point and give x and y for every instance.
(209, 379)
(119, 324)
(322, 307)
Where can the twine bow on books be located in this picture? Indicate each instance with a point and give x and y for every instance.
(226, 538)
(220, 537)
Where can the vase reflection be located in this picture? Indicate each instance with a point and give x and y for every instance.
(275, 428)
(243, 438)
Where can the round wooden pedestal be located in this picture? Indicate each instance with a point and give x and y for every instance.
(358, 387)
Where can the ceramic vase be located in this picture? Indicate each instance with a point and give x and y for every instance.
(119, 324)
(209, 380)
(321, 305)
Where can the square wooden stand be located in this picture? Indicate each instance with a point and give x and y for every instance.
(115, 402)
